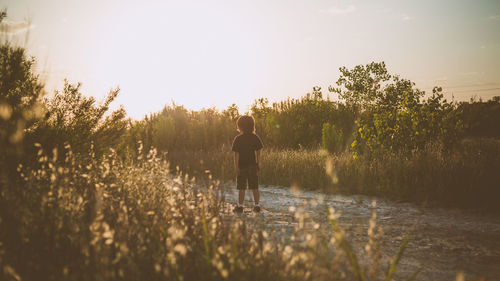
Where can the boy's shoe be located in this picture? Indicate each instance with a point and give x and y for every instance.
(238, 209)
(256, 209)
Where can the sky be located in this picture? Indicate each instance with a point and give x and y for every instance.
(207, 53)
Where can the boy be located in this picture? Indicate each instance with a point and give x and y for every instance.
(246, 147)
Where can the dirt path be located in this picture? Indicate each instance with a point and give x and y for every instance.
(446, 241)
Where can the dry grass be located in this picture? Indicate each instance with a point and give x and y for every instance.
(118, 220)
(463, 177)
(305, 168)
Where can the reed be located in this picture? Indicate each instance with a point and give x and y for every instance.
(465, 176)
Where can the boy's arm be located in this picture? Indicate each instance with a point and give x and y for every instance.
(236, 162)
(257, 158)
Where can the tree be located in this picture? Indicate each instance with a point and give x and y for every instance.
(481, 119)
(392, 113)
(79, 121)
(20, 94)
(360, 87)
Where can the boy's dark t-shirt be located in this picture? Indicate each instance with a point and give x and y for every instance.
(246, 145)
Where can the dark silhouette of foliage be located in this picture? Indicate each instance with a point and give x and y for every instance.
(481, 119)
(74, 119)
(295, 123)
(332, 138)
(20, 94)
(176, 128)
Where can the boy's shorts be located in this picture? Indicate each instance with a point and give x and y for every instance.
(247, 175)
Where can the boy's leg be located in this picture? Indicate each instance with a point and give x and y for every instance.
(253, 184)
(241, 182)
(241, 196)
(256, 196)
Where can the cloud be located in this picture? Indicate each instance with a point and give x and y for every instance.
(384, 10)
(406, 17)
(494, 17)
(14, 27)
(441, 79)
(336, 10)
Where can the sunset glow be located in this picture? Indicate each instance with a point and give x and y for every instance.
(215, 53)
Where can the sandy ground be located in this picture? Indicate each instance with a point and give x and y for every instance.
(445, 241)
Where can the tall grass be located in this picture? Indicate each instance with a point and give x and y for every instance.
(465, 176)
(134, 220)
(282, 167)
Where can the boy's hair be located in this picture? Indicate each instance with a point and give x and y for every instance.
(246, 124)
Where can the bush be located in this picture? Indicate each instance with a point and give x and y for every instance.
(20, 94)
(332, 138)
(393, 116)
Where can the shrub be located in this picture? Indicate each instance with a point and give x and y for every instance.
(332, 138)
(393, 116)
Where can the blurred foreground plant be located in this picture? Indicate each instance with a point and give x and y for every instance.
(116, 219)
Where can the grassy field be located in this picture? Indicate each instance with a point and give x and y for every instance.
(305, 168)
(464, 177)
(116, 220)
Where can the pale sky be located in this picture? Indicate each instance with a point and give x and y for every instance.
(208, 53)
